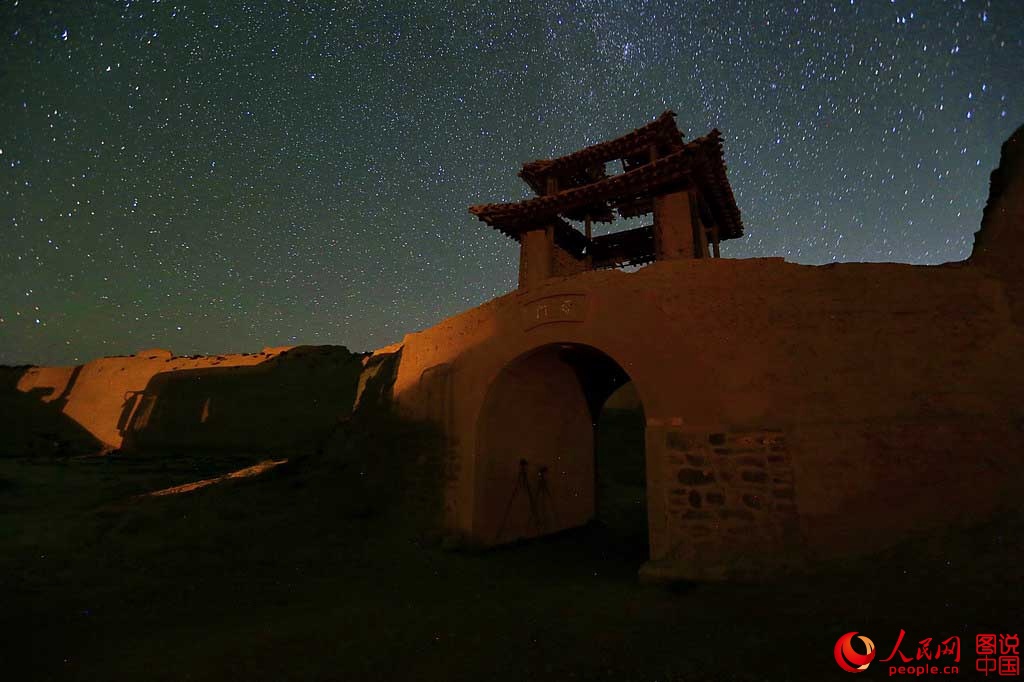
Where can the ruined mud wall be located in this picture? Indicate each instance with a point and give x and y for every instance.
(280, 400)
(32, 421)
(287, 404)
(998, 245)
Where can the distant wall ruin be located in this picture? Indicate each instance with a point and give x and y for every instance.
(278, 401)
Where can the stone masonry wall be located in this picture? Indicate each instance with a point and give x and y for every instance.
(730, 490)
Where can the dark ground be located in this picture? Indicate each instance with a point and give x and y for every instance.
(328, 569)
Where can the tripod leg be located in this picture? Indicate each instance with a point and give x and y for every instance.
(521, 480)
(534, 516)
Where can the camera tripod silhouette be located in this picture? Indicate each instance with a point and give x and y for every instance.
(541, 509)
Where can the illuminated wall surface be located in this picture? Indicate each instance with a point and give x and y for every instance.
(792, 412)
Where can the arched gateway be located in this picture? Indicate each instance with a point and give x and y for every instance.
(535, 442)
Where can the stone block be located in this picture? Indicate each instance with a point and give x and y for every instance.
(690, 476)
(752, 476)
(676, 440)
(730, 513)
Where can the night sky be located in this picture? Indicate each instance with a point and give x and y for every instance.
(218, 177)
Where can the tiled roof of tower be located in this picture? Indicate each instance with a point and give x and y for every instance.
(698, 164)
(587, 165)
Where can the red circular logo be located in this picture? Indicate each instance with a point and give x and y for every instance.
(848, 659)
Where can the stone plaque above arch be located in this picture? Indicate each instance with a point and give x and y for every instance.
(554, 308)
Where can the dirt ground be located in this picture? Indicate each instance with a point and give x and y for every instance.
(330, 568)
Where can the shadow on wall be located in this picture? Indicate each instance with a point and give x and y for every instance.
(34, 422)
(288, 404)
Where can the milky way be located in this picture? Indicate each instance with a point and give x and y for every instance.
(211, 180)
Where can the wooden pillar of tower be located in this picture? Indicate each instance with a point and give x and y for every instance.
(674, 229)
(535, 254)
(700, 235)
(679, 231)
(590, 236)
(536, 249)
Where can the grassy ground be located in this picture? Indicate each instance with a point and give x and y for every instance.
(327, 569)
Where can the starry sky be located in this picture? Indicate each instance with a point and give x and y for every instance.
(216, 177)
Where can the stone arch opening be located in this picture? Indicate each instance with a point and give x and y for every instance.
(538, 468)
